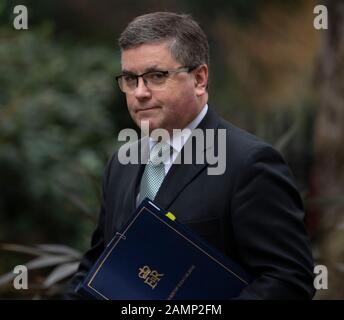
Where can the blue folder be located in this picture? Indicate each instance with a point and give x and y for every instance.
(155, 257)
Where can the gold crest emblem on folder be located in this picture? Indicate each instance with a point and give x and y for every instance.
(152, 277)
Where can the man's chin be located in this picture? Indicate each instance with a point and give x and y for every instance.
(149, 125)
(143, 123)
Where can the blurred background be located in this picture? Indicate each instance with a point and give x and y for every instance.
(272, 73)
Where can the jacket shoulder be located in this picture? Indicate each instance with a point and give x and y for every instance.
(241, 144)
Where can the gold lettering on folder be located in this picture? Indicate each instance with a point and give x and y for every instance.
(152, 277)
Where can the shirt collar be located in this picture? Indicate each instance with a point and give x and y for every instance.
(179, 140)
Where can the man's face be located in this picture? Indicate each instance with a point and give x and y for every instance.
(172, 107)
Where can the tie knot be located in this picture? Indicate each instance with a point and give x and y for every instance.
(160, 152)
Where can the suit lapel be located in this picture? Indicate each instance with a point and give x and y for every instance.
(181, 175)
(135, 172)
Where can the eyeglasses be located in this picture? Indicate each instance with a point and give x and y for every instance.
(154, 80)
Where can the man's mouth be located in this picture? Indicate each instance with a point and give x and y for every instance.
(146, 109)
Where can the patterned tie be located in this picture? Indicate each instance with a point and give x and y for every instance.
(154, 172)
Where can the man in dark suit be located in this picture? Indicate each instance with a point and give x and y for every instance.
(251, 211)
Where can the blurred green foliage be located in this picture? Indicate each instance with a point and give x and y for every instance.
(56, 134)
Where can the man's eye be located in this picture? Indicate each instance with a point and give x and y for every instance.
(129, 78)
(156, 75)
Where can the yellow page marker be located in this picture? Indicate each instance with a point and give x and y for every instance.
(171, 216)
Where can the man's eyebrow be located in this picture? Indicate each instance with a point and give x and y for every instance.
(149, 69)
(124, 71)
(153, 68)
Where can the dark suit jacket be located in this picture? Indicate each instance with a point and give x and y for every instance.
(253, 212)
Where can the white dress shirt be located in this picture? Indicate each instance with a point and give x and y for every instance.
(179, 140)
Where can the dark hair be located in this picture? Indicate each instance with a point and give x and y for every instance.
(187, 41)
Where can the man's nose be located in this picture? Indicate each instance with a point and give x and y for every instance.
(142, 91)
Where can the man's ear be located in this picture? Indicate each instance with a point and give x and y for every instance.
(201, 79)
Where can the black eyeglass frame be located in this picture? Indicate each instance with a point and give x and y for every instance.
(187, 69)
